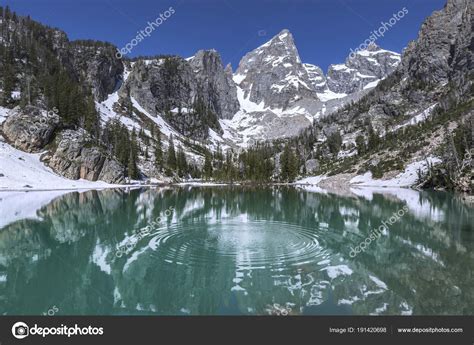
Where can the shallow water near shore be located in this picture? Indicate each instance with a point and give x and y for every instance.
(233, 250)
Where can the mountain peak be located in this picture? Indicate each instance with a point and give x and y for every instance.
(283, 34)
(372, 47)
(283, 37)
(362, 69)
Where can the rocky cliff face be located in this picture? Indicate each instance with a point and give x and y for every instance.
(424, 108)
(364, 70)
(191, 94)
(76, 158)
(160, 85)
(30, 129)
(95, 64)
(272, 94)
(316, 77)
(214, 84)
(443, 51)
(436, 65)
(72, 155)
(273, 74)
(280, 96)
(91, 62)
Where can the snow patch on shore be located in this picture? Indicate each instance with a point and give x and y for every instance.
(24, 171)
(312, 180)
(407, 178)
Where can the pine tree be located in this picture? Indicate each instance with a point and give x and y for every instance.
(132, 166)
(373, 140)
(132, 161)
(289, 164)
(360, 144)
(229, 167)
(181, 163)
(158, 153)
(92, 117)
(8, 79)
(292, 167)
(334, 142)
(207, 166)
(171, 155)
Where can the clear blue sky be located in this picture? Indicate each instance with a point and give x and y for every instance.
(324, 30)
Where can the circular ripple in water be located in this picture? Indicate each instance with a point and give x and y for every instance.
(251, 244)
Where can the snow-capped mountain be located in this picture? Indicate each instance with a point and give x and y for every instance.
(203, 105)
(316, 77)
(272, 75)
(280, 95)
(196, 100)
(362, 71)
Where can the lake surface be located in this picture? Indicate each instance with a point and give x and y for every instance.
(235, 250)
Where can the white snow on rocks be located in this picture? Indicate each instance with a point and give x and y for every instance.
(246, 104)
(328, 95)
(372, 84)
(423, 116)
(3, 114)
(312, 180)
(25, 171)
(164, 127)
(238, 78)
(407, 178)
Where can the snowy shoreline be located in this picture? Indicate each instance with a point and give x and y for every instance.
(22, 172)
(405, 179)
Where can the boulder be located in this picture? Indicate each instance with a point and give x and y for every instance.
(311, 165)
(76, 158)
(30, 129)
